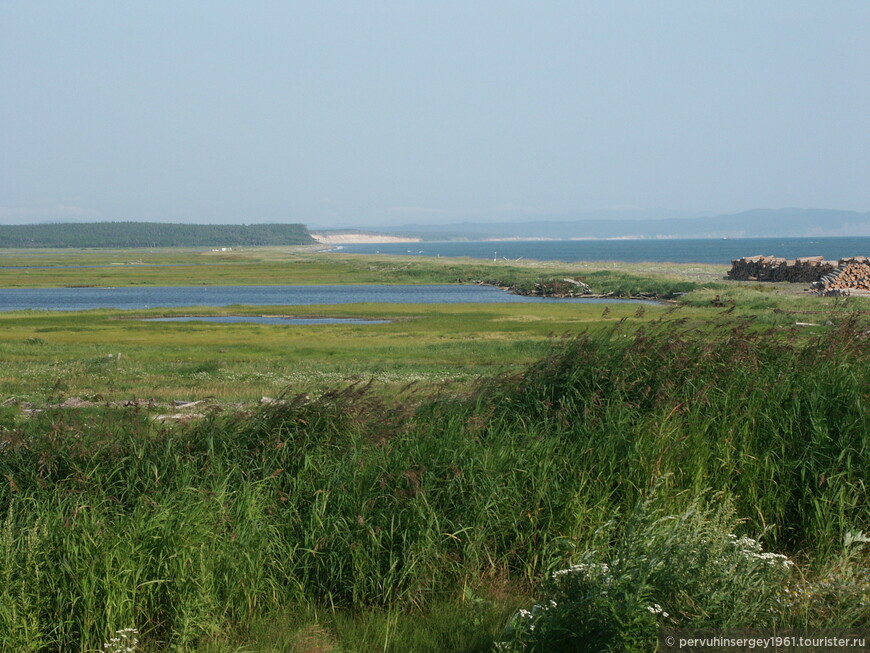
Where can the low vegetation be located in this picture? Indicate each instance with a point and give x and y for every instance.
(307, 266)
(113, 356)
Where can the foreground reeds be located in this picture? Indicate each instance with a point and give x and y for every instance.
(349, 501)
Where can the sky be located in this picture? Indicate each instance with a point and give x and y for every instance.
(338, 114)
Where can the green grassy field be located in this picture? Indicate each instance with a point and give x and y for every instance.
(54, 356)
(305, 265)
(47, 355)
(421, 481)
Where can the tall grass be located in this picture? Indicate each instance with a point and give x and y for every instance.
(782, 427)
(349, 500)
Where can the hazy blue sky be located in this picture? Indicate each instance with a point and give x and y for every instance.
(361, 113)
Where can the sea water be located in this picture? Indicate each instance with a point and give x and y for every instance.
(715, 251)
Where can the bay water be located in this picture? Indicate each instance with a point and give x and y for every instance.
(694, 250)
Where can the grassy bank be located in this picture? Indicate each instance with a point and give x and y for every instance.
(305, 266)
(347, 516)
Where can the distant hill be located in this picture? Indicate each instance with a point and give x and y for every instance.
(152, 234)
(758, 223)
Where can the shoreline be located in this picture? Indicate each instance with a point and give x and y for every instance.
(361, 239)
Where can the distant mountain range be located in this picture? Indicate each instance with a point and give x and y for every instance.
(758, 223)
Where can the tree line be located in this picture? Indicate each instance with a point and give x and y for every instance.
(152, 234)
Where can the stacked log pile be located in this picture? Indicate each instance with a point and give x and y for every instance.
(852, 277)
(771, 268)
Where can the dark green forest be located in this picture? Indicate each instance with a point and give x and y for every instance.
(152, 234)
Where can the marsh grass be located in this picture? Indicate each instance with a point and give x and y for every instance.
(461, 623)
(49, 357)
(379, 509)
(49, 354)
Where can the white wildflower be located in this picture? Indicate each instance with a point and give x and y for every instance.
(655, 608)
(124, 641)
(585, 569)
(774, 559)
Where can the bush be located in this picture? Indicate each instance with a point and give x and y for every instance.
(651, 570)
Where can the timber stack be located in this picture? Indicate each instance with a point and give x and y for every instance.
(772, 268)
(852, 277)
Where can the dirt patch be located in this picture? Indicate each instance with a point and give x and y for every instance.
(313, 639)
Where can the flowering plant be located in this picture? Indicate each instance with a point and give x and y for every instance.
(124, 641)
(651, 570)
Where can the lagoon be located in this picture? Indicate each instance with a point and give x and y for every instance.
(145, 297)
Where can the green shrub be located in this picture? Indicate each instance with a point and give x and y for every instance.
(650, 570)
